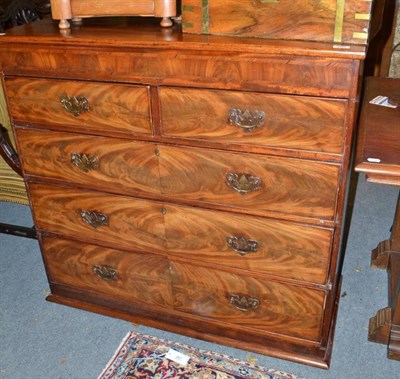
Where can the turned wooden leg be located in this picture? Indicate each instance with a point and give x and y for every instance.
(165, 9)
(61, 10)
(77, 20)
(64, 24)
(166, 22)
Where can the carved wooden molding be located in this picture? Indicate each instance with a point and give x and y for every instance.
(379, 326)
(380, 255)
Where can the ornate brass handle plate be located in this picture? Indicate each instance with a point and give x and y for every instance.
(246, 119)
(242, 245)
(75, 105)
(94, 219)
(243, 183)
(243, 302)
(85, 162)
(105, 272)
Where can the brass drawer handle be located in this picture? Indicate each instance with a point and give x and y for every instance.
(75, 105)
(243, 183)
(85, 162)
(94, 219)
(246, 119)
(243, 302)
(105, 272)
(242, 245)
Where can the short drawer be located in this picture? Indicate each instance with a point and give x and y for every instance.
(96, 162)
(250, 243)
(126, 276)
(98, 217)
(261, 120)
(87, 106)
(249, 181)
(246, 303)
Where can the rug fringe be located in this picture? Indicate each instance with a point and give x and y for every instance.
(126, 338)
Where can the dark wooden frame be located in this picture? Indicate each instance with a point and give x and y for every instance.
(378, 135)
(11, 157)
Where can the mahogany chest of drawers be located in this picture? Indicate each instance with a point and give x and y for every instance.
(191, 183)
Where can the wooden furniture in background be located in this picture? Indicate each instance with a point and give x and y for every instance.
(76, 10)
(191, 183)
(344, 21)
(378, 156)
(380, 49)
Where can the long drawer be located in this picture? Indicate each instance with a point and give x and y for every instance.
(243, 303)
(249, 181)
(256, 244)
(127, 276)
(86, 106)
(247, 303)
(256, 119)
(95, 162)
(261, 245)
(98, 217)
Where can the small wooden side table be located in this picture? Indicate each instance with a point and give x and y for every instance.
(378, 157)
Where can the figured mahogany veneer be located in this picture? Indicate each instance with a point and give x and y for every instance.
(280, 308)
(329, 20)
(314, 124)
(284, 249)
(192, 183)
(130, 164)
(131, 223)
(110, 107)
(127, 276)
(291, 186)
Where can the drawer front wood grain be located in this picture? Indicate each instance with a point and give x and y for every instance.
(110, 164)
(282, 308)
(250, 243)
(289, 186)
(113, 220)
(109, 107)
(316, 76)
(284, 122)
(127, 276)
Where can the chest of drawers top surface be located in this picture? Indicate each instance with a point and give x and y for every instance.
(142, 53)
(137, 32)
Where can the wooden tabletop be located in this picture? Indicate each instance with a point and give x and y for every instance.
(378, 150)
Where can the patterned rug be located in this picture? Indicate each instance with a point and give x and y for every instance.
(145, 357)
